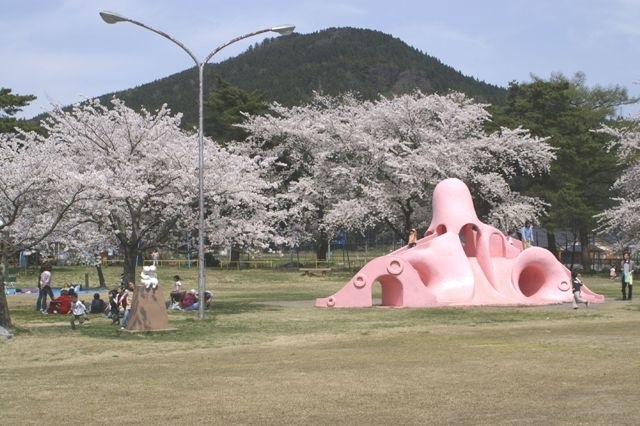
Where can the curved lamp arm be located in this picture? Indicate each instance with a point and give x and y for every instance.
(113, 18)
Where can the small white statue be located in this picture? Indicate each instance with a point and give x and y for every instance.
(149, 276)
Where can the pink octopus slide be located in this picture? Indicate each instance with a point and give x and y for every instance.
(460, 262)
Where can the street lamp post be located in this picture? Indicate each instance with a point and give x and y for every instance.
(112, 18)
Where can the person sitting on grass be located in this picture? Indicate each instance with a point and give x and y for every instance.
(97, 305)
(208, 299)
(189, 301)
(61, 304)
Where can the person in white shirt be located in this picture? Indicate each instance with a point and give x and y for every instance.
(44, 286)
(78, 311)
(177, 293)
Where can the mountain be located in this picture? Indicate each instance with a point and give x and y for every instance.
(289, 69)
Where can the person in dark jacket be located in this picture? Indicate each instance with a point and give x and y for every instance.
(627, 267)
(97, 305)
(576, 283)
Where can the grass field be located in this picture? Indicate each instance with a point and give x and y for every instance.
(265, 356)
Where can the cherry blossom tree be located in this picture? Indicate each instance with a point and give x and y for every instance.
(141, 171)
(110, 177)
(623, 220)
(343, 164)
(33, 203)
(240, 212)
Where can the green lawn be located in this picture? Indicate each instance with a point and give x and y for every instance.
(265, 355)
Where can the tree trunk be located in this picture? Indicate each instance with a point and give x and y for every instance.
(321, 247)
(101, 276)
(551, 243)
(584, 244)
(129, 266)
(235, 255)
(5, 319)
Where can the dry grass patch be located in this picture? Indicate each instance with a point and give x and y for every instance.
(263, 357)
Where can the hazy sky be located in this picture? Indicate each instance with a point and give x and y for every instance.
(62, 52)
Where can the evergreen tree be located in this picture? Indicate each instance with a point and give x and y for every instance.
(289, 70)
(226, 107)
(567, 111)
(10, 105)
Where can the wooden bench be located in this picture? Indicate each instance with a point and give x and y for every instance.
(310, 271)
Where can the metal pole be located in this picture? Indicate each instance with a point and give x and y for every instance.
(201, 278)
(112, 18)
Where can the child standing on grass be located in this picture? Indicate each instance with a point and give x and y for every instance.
(176, 293)
(114, 308)
(126, 299)
(612, 273)
(79, 311)
(155, 256)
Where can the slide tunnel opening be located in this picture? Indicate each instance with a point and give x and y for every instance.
(531, 279)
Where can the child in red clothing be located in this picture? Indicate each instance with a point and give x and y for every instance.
(61, 304)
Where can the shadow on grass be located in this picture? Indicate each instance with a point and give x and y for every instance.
(256, 318)
(185, 325)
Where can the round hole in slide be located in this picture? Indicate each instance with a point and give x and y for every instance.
(532, 278)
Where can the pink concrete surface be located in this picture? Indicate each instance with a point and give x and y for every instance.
(460, 261)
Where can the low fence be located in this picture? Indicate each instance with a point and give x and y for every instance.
(280, 263)
(180, 263)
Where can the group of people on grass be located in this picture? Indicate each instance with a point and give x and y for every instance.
(187, 300)
(117, 308)
(120, 301)
(67, 303)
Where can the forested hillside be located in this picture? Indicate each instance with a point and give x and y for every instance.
(289, 69)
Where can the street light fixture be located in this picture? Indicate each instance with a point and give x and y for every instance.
(113, 18)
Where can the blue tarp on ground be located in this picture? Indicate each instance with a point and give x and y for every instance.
(56, 291)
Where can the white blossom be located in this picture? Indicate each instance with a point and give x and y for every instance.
(344, 164)
(140, 171)
(32, 201)
(623, 220)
